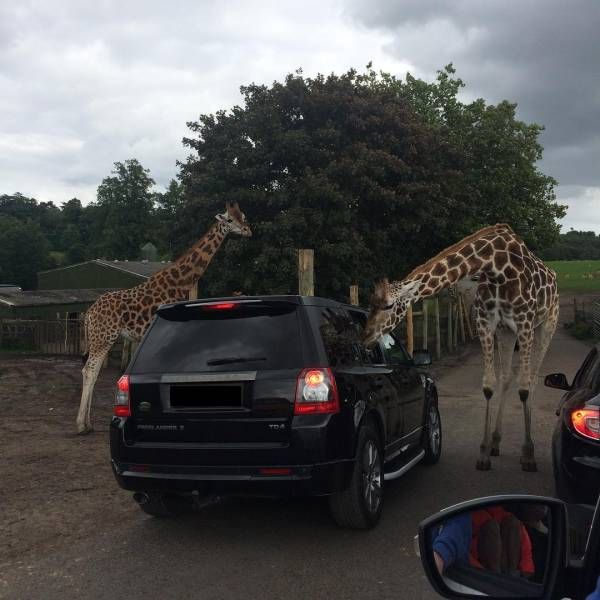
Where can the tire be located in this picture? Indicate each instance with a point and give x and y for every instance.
(359, 505)
(164, 505)
(433, 435)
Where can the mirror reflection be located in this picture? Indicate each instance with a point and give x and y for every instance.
(492, 544)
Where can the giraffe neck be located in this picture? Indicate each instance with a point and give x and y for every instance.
(489, 250)
(190, 267)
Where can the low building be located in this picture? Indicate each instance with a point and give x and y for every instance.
(99, 274)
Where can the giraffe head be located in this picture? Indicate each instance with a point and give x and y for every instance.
(389, 304)
(235, 220)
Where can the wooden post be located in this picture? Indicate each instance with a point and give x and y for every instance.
(461, 318)
(467, 319)
(438, 336)
(449, 324)
(455, 329)
(354, 295)
(410, 332)
(306, 279)
(425, 343)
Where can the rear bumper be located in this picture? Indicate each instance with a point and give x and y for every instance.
(308, 465)
(301, 480)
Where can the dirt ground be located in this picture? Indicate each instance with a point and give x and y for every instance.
(56, 486)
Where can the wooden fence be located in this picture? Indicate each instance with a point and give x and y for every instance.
(59, 336)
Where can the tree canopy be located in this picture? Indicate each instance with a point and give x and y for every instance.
(373, 172)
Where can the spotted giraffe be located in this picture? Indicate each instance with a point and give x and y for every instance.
(129, 312)
(516, 303)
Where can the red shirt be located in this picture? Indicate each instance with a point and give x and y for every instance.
(480, 518)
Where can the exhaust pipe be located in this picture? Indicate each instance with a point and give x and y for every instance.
(141, 498)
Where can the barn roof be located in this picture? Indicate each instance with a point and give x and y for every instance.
(141, 268)
(49, 297)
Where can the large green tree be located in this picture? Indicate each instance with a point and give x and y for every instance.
(341, 164)
(122, 214)
(500, 153)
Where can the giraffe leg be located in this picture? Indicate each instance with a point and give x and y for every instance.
(90, 373)
(527, 339)
(486, 337)
(543, 337)
(506, 347)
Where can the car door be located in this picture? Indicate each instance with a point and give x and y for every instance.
(408, 383)
(381, 388)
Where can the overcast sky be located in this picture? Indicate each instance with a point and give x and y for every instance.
(85, 84)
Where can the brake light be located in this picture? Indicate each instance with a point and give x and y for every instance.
(586, 422)
(220, 306)
(316, 392)
(121, 407)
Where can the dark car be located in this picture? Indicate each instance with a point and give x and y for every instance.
(576, 439)
(270, 395)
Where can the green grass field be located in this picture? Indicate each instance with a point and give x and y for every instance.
(577, 275)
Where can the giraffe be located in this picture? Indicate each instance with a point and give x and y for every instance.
(516, 304)
(129, 312)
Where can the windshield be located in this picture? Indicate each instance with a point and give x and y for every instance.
(197, 339)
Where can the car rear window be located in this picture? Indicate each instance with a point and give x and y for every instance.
(198, 338)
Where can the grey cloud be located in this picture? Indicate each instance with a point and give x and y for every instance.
(542, 54)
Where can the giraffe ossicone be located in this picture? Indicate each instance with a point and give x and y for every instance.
(516, 302)
(129, 312)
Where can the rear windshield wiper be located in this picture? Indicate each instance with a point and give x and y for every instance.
(226, 360)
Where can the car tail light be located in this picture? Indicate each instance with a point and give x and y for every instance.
(220, 306)
(122, 406)
(586, 422)
(316, 392)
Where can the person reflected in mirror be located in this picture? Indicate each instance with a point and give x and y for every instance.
(501, 543)
(452, 542)
(534, 518)
(492, 539)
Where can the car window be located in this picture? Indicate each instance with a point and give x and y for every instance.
(192, 338)
(341, 336)
(583, 376)
(341, 332)
(394, 350)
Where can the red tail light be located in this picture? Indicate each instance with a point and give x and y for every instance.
(220, 306)
(316, 392)
(586, 422)
(122, 407)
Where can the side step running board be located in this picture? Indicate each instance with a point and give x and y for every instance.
(409, 465)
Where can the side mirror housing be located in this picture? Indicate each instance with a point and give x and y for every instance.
(558, 381)
(512, 546)
(421, 358)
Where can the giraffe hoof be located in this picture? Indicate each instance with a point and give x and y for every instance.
(85, 430)
(528, 465)
(483, 464)
(495, 452)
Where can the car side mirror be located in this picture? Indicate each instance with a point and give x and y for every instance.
(558, 381)
(502, 546)
(421, 358)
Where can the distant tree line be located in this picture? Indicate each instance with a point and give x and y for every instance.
(574, 245)
(374, 172)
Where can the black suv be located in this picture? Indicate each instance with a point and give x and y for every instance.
(270, 395)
